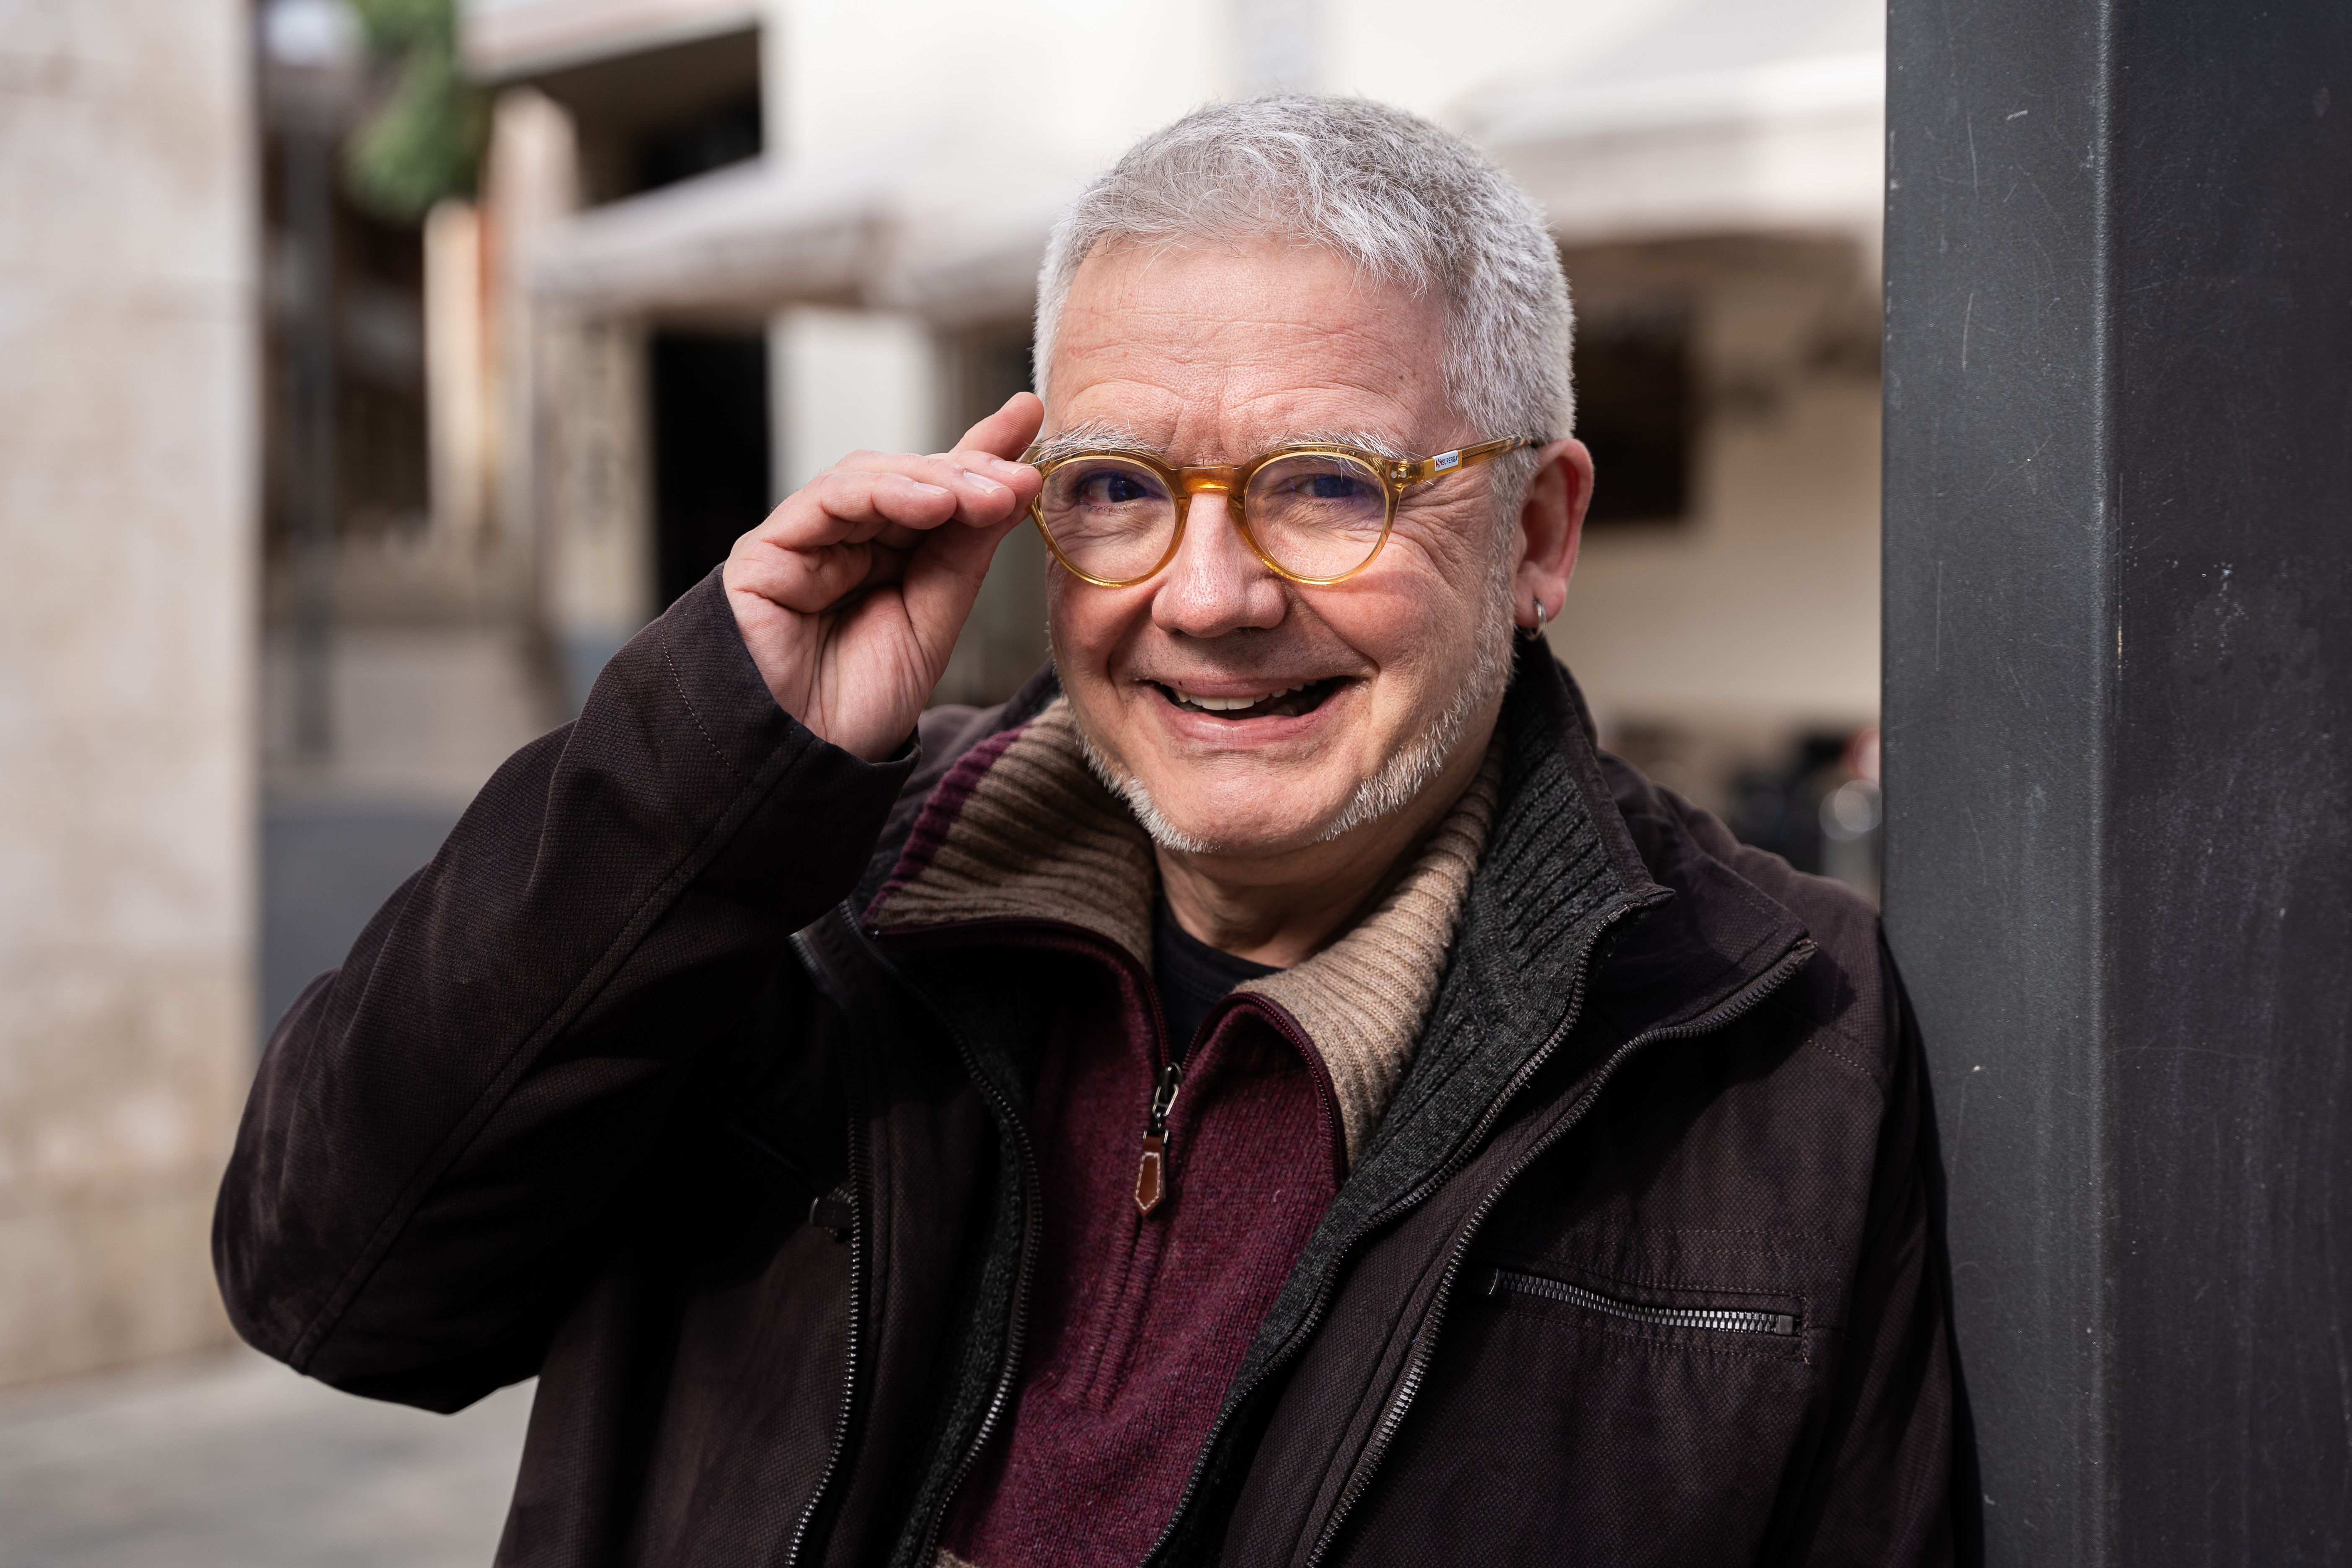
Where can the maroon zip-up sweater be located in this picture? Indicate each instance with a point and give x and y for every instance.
(1151, 1282)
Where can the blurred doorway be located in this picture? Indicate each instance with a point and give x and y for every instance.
(711, 461)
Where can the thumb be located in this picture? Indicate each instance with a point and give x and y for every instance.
(1009, 430)
(942, 578)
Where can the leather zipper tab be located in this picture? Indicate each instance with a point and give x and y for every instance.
(1151, 1174)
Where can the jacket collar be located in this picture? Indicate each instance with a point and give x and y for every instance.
(1581, 875)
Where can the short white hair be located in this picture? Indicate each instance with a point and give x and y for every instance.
(1405, 200)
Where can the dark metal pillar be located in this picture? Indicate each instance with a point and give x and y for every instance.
(2119, 751)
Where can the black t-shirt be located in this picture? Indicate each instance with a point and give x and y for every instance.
(1193, 976)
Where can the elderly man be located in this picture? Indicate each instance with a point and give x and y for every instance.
(1271, 1092)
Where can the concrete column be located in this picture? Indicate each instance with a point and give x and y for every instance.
(455, 373)
(127, 567)
(2119, 751)
(595, 541)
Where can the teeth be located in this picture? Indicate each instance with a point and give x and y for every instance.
(1233, 704)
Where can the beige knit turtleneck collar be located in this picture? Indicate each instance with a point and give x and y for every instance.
(1036, 836)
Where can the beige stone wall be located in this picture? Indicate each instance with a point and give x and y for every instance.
(126, 614)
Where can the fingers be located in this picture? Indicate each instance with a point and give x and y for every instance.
(986, 486)
(852, 506)
(1007, 432)
(981, 483)
(852, 526)
(807, 582)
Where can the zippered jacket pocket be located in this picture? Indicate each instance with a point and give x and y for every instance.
(1504, 1282)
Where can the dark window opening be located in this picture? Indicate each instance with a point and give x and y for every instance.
(1635, 402)
(710, 459)
(994, 366)
(727, 134)
(653, 117)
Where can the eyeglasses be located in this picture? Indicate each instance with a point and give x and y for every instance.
(1314, 513)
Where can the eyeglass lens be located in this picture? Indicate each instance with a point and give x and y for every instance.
(1314, 514)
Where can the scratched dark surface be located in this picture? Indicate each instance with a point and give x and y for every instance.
(2118, 732)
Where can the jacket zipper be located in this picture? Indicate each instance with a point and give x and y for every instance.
(1419, 1193)
(835, 1456)
(1165, 1084)
(1724, 1319)
(1424, 1341)
(1016, 1328)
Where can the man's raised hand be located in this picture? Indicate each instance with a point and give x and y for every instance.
(851, 594)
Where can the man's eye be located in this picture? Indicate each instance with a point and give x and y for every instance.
(1331, 487)
(1115, 489)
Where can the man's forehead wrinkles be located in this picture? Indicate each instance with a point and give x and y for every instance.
(1201, 376)
(1096, 435)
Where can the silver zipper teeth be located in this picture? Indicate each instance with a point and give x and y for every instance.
(836, 1453)
(1017, 1323)
(1728, 1319)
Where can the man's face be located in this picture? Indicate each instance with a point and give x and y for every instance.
(1215, 356)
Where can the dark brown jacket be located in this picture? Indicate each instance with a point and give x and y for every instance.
(1639, 1267)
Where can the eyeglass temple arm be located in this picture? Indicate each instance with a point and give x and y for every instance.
(1462, 457)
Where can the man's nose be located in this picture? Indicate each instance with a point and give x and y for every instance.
(1216, 583)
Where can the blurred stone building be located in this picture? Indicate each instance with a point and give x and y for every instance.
(716, 243)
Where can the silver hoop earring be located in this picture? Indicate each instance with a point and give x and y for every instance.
(1535, 633)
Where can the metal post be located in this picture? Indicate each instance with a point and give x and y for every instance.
(311, 56)
(2119, 751)
(310, 198)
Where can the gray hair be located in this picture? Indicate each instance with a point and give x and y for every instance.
(1404, 200)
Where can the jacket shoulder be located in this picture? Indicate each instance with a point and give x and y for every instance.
(1846, 991)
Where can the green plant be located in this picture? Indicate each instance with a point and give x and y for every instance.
(424, 140)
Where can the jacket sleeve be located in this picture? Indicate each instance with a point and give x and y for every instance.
(440, 1128)
(1894, 1452)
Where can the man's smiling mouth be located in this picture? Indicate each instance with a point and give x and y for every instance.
(1288, 703)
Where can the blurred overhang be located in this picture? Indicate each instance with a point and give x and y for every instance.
(539, 40)
(623, 67)
(951, 230)
(1723, 116)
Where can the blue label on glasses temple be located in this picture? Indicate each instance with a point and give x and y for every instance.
(1446, 462)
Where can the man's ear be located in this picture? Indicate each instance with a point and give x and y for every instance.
(1551, 527)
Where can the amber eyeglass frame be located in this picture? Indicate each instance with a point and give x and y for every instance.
(1397, 475)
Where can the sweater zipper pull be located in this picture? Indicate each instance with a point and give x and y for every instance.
(1151, 1175)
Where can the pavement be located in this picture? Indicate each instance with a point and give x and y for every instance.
(327, 866)
(233, 1462)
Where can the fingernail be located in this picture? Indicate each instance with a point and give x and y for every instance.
(929, 489)
(1010, 471)
(982, 481)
